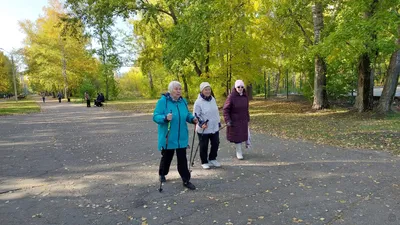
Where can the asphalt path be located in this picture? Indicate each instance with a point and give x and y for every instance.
(75, 165)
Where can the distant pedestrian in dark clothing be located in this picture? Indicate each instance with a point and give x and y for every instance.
(99, 100)
(59, 96)
(237, 117)
(44, 97)
(87, 98)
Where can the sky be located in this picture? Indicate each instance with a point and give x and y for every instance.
(12, 11)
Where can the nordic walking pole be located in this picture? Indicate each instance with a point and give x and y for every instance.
(192, 162)
(198, 145)
(194, 134)
(191, 151)
(222, 127)
(166, 147)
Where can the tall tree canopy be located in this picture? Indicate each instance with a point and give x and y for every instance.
(322, 48)
(55, 53)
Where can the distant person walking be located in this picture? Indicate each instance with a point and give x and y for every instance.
(87, 98)
(237, 117)
(59, 96)
(44, 97)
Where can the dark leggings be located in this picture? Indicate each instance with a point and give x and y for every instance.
(166, 160)
(203, 140)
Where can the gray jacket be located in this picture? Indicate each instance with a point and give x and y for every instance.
(207, 110)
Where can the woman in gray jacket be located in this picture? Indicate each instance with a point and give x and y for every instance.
(206, 109)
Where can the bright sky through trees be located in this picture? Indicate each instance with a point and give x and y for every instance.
(18, 10)
(10, 13)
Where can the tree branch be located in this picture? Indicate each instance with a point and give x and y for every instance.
(158, 24)
(197, 69)
(301, 28)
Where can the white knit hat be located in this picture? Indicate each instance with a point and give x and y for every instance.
(239, 83)
(204, 85)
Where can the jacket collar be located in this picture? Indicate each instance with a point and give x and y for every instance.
(168, 97)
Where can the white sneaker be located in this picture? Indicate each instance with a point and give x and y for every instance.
(239, 153)
(215, 163)
(205, 166)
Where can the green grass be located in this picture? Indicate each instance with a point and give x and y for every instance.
(132, 105)
(76, 100)
(11, 107)
(336, 126)
(295, 120)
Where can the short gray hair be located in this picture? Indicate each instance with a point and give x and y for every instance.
(172, 85)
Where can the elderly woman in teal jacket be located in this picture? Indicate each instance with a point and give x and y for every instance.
(172, 115)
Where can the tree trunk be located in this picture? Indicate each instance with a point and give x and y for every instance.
(277, 79)
(197, 68)
(64, 68)
(265, 84)
(150, 76)
(391, 81)
(227, 81)
(365, 89)
(230, 72)
(107, 86)
(104, 65)
(208, 58)
(185, 86)
(364, 99)
(320, 95)
(249, 90)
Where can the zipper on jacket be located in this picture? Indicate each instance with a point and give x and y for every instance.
(168, 124)
(179, 125)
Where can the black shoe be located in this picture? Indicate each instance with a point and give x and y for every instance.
(189, 185)
(162, 179)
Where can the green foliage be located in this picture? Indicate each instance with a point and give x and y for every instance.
(221, 41)
(6, 85)
(89, 87)
(50, 41)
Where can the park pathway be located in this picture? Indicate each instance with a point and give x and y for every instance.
(75, 165)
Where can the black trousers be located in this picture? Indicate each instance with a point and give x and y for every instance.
(166, 160)
(88, 103)
(59, 100)
(98, 103)
(203, 140)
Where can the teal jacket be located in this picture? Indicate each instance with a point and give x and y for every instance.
(178, 136)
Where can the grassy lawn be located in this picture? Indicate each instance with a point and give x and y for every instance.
(295, 120)
(75, 100)
(132, 105)
(336, 126)
(10, 107)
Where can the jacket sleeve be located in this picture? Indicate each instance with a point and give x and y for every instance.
(227, 109)
(248, 111)
(197, 109)
(189, 116)
(159, 112)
